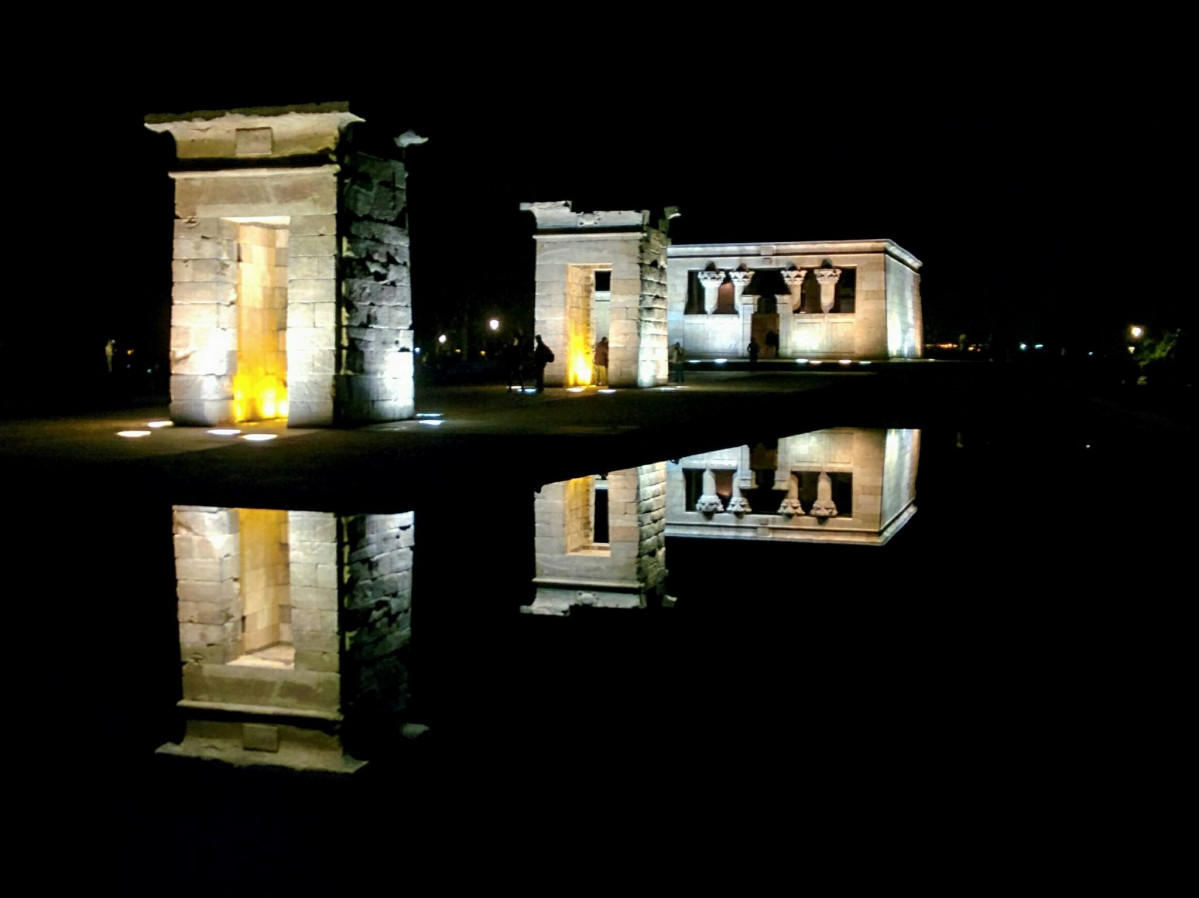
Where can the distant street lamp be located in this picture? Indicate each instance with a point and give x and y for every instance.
(1136, 331)
(441, 338)
(494, 324)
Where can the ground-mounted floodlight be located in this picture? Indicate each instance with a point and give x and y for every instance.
(133, 434)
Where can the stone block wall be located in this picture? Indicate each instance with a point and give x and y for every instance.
(376, 595)
(336, 204)
(265, 578)
(862, 334)
(313, 565)
(901, 452)
(651, 343)
(374, 339)
(905, 329)
(570, 248)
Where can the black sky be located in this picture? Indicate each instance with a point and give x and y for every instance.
(1035, 193)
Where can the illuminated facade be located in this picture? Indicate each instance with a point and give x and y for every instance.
(291, 294)
(601, 274)
(845, 485)
(856, 299)
(293, 627)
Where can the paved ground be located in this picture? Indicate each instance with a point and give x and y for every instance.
(537, 437)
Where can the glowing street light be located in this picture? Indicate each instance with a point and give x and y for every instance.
(494, 324)
(441, 338)
(1136, 331)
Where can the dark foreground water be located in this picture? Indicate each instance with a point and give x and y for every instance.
(1005, 673)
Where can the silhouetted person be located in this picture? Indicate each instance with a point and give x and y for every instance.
(772, 345)
(513, 359)
(542, 356)
(677, 361)
(109, 348)
(753, 349)
(601, 362)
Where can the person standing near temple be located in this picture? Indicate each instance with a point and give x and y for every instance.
(109, 348)
(601, 362)
(677, 359)
(542, 356)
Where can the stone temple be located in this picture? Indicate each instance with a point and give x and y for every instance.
(291, 294)
(614, 274)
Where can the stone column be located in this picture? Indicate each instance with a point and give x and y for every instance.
(743, 304)
(823, 507)
(738, 504)
(709, 502)
(828, 286)
(790, 506)
(710, 281)
(794, 281)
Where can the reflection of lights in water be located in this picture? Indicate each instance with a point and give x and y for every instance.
(815, 362)
(801, 361)
(158, 424)
(428, 414)
(430, 423)
(224, 431)
(530, 389)
(259, 437)
(865, 362)
(133, 434)
(1038, 346)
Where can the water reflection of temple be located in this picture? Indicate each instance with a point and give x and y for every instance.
(842, 485)
(292, 629)
(601, 540)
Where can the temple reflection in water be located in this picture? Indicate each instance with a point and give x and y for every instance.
(842, 485)
(601, 539)
(292, 629)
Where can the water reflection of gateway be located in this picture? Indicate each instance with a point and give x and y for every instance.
(600, 540)
(842, 485)
(292, 626)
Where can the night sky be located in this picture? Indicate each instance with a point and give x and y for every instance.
(1039, 198)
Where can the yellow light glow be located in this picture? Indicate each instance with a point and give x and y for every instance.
(133, 434)
(578, 371)
(258, 396)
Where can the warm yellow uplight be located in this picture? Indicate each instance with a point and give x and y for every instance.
(258, 397)
(578, 370)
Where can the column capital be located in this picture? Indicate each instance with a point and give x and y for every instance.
(794, 278)
(710, 278)
(741, 279)
(828, 276)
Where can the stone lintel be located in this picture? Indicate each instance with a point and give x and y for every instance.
(559, 216)
(256, 172)
(715, 251)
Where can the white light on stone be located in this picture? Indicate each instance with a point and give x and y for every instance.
(430, 423)
(864, 362)
(158, 424)
(133, 434)
(224, 432)
(259, 437)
